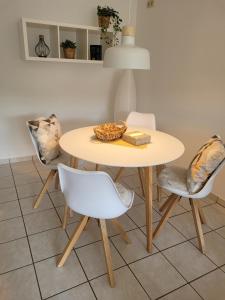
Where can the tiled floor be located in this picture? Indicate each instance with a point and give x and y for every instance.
(32, 240)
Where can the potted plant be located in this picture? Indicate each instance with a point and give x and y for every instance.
(107, 16)
(69, 49)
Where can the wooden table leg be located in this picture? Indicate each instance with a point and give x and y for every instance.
(73, 164)
(148, 207)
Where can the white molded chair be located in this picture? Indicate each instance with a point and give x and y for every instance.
(93, 194)
(144, 120)
(173, 179)
(52, 166)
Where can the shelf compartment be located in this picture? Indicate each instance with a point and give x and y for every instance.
(77, 35)
(50, 33)
(94, 38)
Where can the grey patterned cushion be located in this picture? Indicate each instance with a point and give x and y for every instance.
(46, 132)
(204, 164)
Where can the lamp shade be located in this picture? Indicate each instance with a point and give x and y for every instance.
(127, 56)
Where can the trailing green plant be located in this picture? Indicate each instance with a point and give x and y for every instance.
(115, 21)
(68, 44)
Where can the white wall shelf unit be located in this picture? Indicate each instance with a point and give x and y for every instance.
(54, 33)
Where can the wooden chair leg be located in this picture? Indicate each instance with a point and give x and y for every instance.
(198, 225)
(57, 180)
(85, 228)
(44, 189)
(65, 217)
(141, 181)
(159, 189)
(118, 174)
(166, 216)
(201, 214)
(107, 250)
(72, 242)
(166, 203)
(122, 232)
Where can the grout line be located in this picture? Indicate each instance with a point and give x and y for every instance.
(138, 227)
(27, 239)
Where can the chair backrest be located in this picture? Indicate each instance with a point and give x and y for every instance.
(90, 193)
(137, 119)
(34, 143)
(208, 186)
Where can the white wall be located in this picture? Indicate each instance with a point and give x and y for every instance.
(79, 94)
(186, 85)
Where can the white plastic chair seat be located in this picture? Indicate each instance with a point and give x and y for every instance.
(63, 158)
(174, 180)
(126, 195)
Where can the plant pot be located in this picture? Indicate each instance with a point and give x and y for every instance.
(104, 21)
(69, 53)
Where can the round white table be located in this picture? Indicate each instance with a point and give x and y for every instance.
(81, 144)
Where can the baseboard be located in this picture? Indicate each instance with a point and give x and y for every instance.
(15, 159)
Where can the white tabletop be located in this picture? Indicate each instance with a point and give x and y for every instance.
(163, 148)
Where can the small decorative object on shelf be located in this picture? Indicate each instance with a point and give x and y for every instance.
(137, 138)
(150, 3)
(69, 49)
(106, 17)
(41, 49)
(110, 131)
(96, 52)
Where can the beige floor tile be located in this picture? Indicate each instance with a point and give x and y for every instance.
(90, 235)
(168, 237)
(81, 292)
(137, 214)
(23, 168)
(134, 251)
(9, 210)
(215, 247)
(48, 243)
(29, 190)
(93, 260)
(126, 223)
(156, 275)
(54, 280)
(27, 178)
(41, 221)
(137, 200)
(221, 231)
(211, 286)
(127, 287)
(215, 215)
(11, 229)
(75, 218)
(57, 198)
(185, 293)
(20, 284)
(6, 182)
(189, 261)
(185, 224)
(5, 170)
(132, 181)
(28, 203)
(16, 254)
(8, 194)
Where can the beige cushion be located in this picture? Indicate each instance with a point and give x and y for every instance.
(125, 194)
(46, 132)
(204, 164)
(174, 179)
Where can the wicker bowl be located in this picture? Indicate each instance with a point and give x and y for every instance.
(110, 131)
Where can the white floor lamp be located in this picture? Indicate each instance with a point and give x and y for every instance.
(127, 57)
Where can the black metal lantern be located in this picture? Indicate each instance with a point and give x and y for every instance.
(41, 49)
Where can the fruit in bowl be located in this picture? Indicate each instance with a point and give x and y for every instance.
(110, 131)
